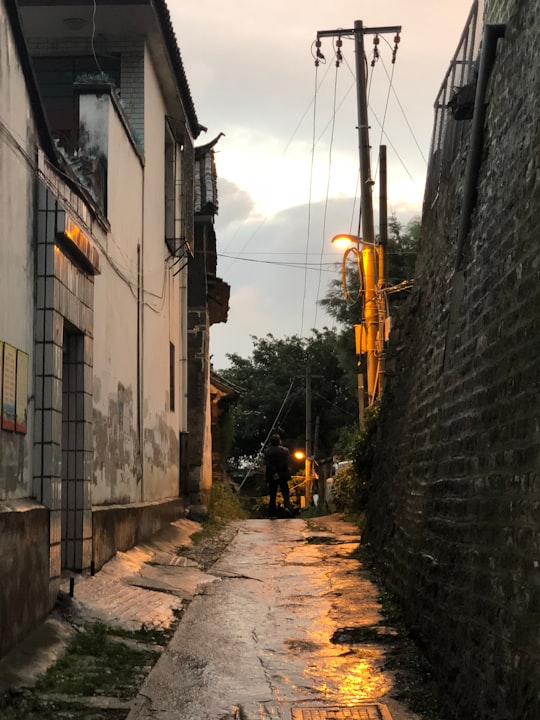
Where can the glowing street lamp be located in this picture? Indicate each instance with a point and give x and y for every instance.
(370, 332)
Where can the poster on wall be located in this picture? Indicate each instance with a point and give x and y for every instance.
(9, 387)
(21, 397)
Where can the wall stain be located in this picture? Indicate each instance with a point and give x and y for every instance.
(117, 464)
(116, 459)
(13, 462)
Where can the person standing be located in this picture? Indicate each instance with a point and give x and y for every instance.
(278, 474)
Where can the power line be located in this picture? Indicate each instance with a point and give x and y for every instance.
(308, 229)
(302, 266)
(327, 190)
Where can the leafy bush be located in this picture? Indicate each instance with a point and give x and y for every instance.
(349, 491)
(225, 505)
(344, 489)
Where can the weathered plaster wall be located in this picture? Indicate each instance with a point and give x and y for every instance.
(120, 527)
(24, 525)
(117, 469)
(163, 312)
(453, 516)
(17, 178)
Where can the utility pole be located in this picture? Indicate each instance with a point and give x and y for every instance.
(309, 448)
(370, 251)
(366, 181)
(383, 242)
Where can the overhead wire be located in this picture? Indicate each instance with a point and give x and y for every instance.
(265, 220)
(325, 215)
(94, 35)
(305, 264)
(308, 229)
(393, 89)
(274, 425)
(384, 114)
(381, 124)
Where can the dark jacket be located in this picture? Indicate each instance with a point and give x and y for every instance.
(276, 458)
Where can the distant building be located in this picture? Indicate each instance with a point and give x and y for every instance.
(208, 301)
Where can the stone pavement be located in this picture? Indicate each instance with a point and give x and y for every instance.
(292, 631)
(259, 637)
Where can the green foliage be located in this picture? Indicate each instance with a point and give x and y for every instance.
(225, 505)
(95, 663)
(265, 379)
(346, 491)
(350, 486)
(346, 441)
(401, 250)
(365, 447)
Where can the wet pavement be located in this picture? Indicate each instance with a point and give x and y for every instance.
(257, 643)
(285, 625)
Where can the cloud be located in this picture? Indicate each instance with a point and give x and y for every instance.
(279, 269)
(291, 135)
(235, 204)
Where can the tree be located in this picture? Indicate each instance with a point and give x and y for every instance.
(273, 379)
(401, 253)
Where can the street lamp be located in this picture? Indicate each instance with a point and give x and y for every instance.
(370, 333)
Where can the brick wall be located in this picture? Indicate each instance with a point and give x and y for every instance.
(454, 516)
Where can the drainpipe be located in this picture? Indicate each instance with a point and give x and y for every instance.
(491, 35)
(139, 364)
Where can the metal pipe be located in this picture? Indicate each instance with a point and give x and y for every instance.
(491, 35)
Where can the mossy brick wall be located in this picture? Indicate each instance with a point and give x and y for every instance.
(454, 516)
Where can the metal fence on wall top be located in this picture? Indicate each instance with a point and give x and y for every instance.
(454, 103)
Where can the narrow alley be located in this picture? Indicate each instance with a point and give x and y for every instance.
(291, 628)
(278, 620)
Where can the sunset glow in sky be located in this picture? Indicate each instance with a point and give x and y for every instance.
(288, 164)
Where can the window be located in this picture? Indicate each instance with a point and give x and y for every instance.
(178, 193)
(55, 77)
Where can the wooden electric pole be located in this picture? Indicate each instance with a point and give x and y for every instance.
(309, 448)
(370, 250)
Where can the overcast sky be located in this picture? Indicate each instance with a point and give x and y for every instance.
(288, 163)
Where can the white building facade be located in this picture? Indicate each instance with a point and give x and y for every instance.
(95, 303)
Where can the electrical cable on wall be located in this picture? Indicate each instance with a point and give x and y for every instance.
(93, 37)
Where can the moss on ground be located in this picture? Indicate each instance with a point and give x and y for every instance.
(100, 661)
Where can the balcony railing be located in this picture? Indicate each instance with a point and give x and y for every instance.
(454, 104)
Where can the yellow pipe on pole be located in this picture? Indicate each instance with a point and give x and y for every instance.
(371, 319)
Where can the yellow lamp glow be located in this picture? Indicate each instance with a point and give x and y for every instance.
(343, 241)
